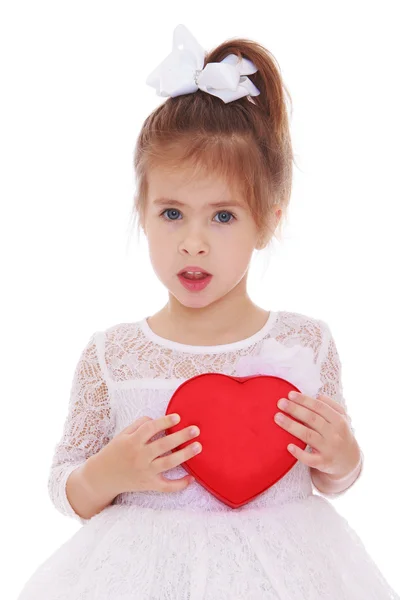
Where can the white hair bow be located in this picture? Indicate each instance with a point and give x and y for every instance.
(182, 72)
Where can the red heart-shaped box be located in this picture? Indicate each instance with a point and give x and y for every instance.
(244, 450)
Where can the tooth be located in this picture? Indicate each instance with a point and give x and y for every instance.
(195, 274)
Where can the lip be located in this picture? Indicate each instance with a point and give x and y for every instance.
(193, 285)
(190, 268)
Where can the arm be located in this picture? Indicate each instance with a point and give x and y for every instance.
(88, 427)
(87, 490)
(330, 368)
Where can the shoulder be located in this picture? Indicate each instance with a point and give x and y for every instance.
(118, 346)
(120, 339)
(302, 324)
(121, 328)
(297, 328)
(121, 333)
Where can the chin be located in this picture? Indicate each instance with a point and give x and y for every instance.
(190, 300)
(197, 300)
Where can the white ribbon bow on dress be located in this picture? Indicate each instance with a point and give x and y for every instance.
(294, 364)
(182, 72)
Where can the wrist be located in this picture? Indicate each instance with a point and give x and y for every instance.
(97, 483)
(328, 484)
(354, 471)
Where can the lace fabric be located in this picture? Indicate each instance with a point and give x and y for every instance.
(128, 371)
(287, 544)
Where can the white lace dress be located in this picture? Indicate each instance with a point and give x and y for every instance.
(289, 543)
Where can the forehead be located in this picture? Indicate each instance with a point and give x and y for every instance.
(189, 187)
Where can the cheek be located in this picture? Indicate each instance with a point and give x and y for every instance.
(237, 248)
(158, 251)
(232, 262)
(159, 255)
(162, 257)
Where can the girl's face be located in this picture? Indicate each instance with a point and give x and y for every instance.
(218, 239)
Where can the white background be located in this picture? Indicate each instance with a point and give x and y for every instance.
(73, 98)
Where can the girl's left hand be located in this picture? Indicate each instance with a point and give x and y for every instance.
(327, 430)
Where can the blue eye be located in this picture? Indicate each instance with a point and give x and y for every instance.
(221, 212)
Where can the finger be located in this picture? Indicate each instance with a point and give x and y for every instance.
(171, 441)
(333, 403)
(304, 415)
(323, 406)
(306, 434)
(174, 485)
(136, 424)
(311, 460)
(164, 463)
(148, 430)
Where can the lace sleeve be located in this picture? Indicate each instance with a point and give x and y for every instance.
(331, 378)
(87, 428)
(331, 370)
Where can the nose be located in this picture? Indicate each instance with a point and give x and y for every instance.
(193, 244)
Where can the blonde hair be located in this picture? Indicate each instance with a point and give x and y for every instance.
(246, 142)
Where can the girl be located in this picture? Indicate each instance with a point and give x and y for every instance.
(214, 170)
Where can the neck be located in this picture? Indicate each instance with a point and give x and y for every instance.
(218, 323)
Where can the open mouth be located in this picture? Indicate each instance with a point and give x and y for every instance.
(194, 282)
(194, 276)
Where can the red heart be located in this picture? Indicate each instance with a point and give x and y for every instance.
(244, 450)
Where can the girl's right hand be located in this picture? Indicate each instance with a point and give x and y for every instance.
(130, 463)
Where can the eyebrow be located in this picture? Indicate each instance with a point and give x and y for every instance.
(170, 201)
